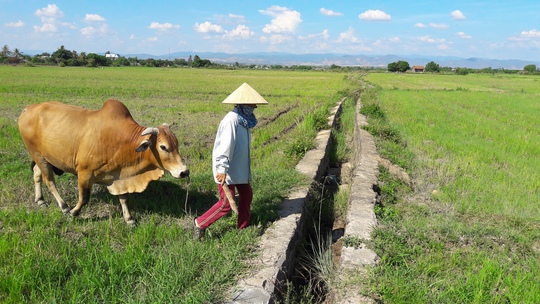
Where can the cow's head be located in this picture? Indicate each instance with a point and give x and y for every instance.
(164, 146)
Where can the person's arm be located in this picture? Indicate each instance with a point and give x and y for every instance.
(224, 148)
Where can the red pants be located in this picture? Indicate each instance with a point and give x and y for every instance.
(222, 207)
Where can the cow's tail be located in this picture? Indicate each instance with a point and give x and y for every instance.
(55, 170)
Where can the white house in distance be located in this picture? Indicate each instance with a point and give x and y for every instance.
(112, 56)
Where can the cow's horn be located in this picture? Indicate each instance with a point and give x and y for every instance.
(166, 125)
(153, 131)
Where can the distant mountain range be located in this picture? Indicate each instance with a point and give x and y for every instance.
(287, 59)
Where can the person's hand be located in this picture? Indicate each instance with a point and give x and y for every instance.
(221, 178)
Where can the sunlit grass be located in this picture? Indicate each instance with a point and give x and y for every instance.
(469, 231)
(48, 257)
(499, 83)
(485, 143)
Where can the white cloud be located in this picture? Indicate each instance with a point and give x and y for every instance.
(321, 45)
(443, 46)
(458, 15)
(67, 24)
(328, 12)
(534, 33)
(386, 44)
(163, 27)
(94, 17)
(240, 32)
(275, 39)
(463, 35)
(49, 16)
(428, 39)
(440, 26)
(378, 43)
(374, 15)
(90, 31)
(527, 38)
(208, 27)
(151, 39)
(51, 11)
(285, 20)
(439, 43)
(348, 36)
(237, 18)
(15, 24)
(324, 35)
(46, 28)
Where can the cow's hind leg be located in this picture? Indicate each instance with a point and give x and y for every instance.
(48, 176)
(125, 211)
(37, 186)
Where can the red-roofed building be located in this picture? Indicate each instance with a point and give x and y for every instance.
(418, 69)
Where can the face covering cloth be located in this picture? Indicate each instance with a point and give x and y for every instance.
(245, 116)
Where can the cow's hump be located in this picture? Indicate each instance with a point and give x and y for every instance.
(115, 109)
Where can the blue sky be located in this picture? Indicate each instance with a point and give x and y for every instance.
(485, 29)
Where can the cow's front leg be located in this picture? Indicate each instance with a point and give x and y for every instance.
(85, 189)
(124, 198)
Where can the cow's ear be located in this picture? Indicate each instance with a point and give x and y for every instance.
(144, 145)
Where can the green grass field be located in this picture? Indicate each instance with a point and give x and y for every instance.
(96, 258)
(469, 229)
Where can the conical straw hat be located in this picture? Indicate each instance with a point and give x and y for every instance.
(245, 95)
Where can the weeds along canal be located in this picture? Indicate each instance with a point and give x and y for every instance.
(300, 257)
(317, 257)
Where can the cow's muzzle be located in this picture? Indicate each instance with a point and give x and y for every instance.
(184, 173)
(179, 173)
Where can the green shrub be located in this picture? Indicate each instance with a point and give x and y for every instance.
(298, 147)
(372, 110)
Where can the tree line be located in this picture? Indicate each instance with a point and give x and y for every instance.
(65, 57)
(432, 67)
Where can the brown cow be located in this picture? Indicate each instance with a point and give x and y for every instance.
(105, 146)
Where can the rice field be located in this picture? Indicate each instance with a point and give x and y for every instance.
(468, 230)
(48, 257)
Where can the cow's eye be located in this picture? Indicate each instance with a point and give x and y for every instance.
(163, 147)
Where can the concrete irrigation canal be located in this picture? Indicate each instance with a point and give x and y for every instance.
(276, 262)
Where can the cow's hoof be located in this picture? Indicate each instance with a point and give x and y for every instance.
(74, 212)
(42, 203)
(131, 223)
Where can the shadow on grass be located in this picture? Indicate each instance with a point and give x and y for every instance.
(165, 198)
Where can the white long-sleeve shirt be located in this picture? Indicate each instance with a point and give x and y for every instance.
(231, 153)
